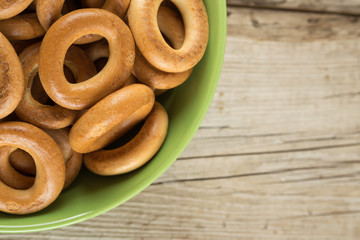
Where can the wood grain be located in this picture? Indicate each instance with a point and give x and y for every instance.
(351, 7)
(278, 154)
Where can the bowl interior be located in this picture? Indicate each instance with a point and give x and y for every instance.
(91, 195)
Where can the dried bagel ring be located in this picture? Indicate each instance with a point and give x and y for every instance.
(59, 38)
(10, 9)
(22, 27)
(12, 84)
(20, 158)
(142, 16)
(50, 11)
(46, 116)
(111, 117)
(50, 168)
(135, 153)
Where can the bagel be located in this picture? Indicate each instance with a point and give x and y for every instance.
(142, 17)
(50, 169)
(46, 116)
(111, 117)
(59, 38)
(22, 27)
(12, 8)
(23, 162)
(135, 153)
(12, 83)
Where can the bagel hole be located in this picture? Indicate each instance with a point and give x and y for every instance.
(69, 75)
(171, 5)
(37, 91)
(100, 63)
(69, 6)
(23, 162)
(127, 137)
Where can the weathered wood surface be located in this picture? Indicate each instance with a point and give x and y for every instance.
(334, 6)
(278, 154)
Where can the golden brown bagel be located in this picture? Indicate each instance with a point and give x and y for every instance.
(142, 16)
(12, 83)
(22, 27)
(12, 8)
(50, 168)
(59, 38)
(48, 11)
(111, 117)
(135, 153)
(23, 162)
(46, 116)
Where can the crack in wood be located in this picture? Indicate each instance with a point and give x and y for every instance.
(271, 152)
(341, 95)
(319, 178)
(246, 174)
(233, 4)
(325, 214)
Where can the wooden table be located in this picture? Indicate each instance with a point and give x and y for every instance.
(278, 154)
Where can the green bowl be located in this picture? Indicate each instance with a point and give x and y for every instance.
(91, 195)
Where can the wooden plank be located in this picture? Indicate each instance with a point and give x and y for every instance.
(332, 6)
(278, 154)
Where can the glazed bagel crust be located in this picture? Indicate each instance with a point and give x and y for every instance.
(22, 27)
(12, 8)
(50, 167)
(111, 117)
(171, 25)
(142, 16)
(135, 153)
(46, 116)
(12, 84)
(59, 38)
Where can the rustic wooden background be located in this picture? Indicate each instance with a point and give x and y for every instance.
(278, 154)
